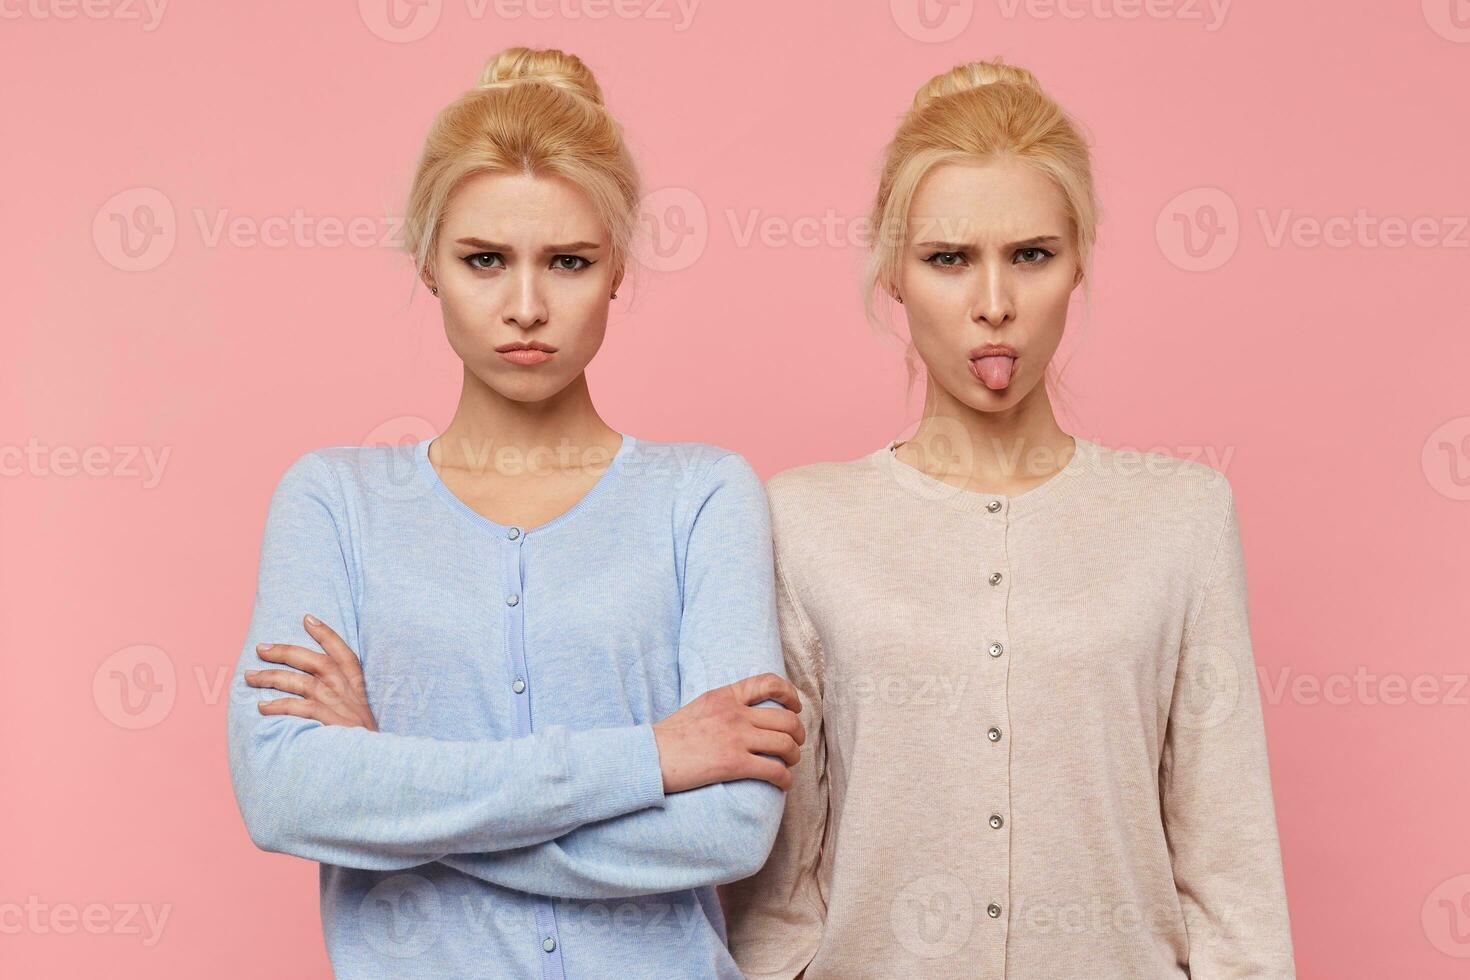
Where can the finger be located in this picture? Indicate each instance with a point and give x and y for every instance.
(770, 770)
(300, 707)
(769, 686)
(334, 645)
(292, 656)
(327, 682)
(779, 720)
(775, 743)
(290, 681)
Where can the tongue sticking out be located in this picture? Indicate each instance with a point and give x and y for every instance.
(995, 370)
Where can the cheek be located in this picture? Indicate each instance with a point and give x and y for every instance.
(1044, 306)
(581, 298)
(932, 301)
(578, 315)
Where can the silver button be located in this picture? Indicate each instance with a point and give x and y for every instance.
(518, 686)
(548, 944)
(993, 910)
(997, 821)
(513, 533)
(993, 506)
(996, 649)
(512, 599)
(993, 734)
(995, 578)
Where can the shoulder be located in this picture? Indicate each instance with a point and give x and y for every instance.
(1178, 489)
(683, 467)
(1178, 509)
(308, 497)
(811, 482)
(311, 473)
(828, 489)
(697, 479)
(707, 497)
(350, 481)
(346, 470)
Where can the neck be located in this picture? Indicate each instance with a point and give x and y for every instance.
(1000, 452)
(487, 423)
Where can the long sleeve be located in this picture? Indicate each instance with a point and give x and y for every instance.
(380, 801)
(775, 919)
(728, 631)
(1215, 785)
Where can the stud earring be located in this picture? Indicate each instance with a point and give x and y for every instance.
(434, 290)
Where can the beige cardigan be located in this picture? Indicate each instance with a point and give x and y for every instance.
(1035, 747)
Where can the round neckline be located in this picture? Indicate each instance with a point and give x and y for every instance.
(1056, 487)
(426, 469)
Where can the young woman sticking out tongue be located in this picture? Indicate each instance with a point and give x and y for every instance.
(1035, 746)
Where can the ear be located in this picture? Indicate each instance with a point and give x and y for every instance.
(891, 288)
(617, 279)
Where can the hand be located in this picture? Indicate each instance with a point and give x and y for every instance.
(717, 737)
(331, 684)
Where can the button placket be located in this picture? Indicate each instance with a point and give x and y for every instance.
(513, 588)
(997, 732)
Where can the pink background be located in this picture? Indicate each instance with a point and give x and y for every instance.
(1325, 373)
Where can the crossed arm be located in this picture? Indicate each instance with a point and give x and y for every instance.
(562, 812)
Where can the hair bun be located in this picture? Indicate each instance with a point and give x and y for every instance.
(549, 65)
(963, 78)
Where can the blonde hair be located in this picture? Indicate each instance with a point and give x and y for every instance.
(977, 111)
(537, 112)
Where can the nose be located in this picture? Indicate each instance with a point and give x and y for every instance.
(525, 307)
(993, 301)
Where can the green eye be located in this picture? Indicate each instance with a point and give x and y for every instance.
(493, 257)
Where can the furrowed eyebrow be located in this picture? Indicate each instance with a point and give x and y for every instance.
(1052, 240)
(482, 243)
(548, 250)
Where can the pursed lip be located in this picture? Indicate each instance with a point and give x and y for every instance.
(526, 345)
(993, 350)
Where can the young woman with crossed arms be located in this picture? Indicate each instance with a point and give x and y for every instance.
(601, 729)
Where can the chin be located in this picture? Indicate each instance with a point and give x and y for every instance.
(531, 393)
(520, 389)
(974, 394)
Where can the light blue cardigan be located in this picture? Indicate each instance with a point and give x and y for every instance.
(508, 819)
